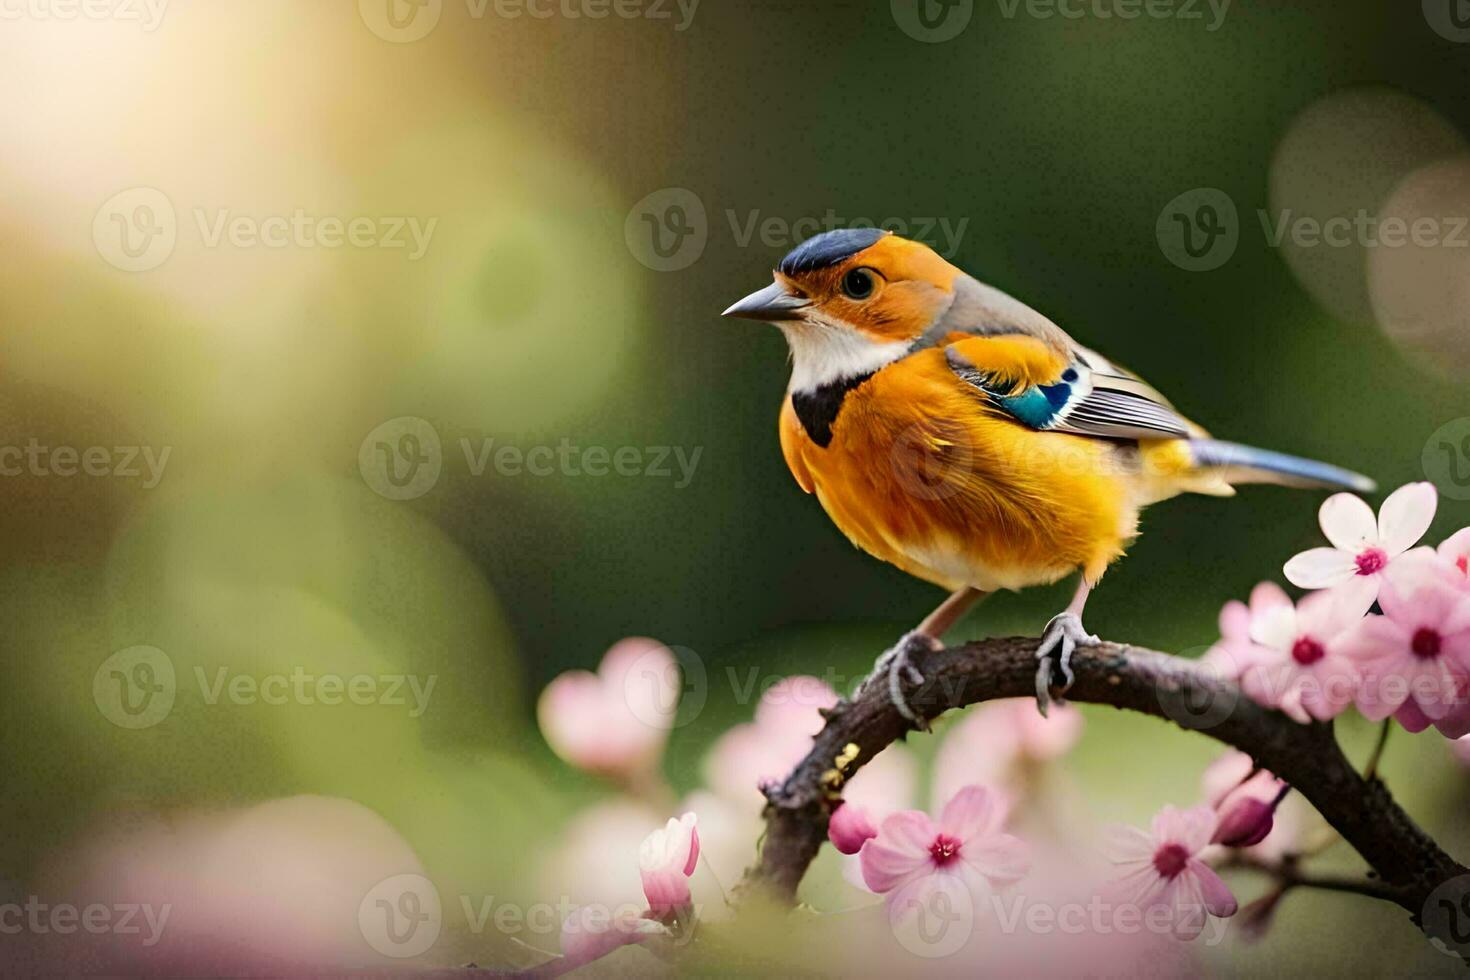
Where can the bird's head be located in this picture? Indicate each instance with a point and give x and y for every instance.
(851, 301)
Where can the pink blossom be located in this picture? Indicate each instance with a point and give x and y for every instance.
(614, 722)
(998, 742)
(913, 860)
(768, 748)
(1415, 658)
(666, 860)
(1162, 868)
(1293, 662)
(1236, 651)
(1363, 548)
(1449, 564)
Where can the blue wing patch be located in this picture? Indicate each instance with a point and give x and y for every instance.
(1086, 401)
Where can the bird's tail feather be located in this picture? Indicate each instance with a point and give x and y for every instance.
(1246, 464)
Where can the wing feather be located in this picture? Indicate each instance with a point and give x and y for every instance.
(1088, 396)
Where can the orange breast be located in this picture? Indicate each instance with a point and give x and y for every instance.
(922, 473)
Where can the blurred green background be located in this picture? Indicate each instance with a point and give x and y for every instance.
(534, 318)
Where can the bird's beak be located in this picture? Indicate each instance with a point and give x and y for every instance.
(773, 303)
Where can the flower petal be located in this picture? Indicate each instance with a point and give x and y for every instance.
(1182, 896)
(1123, 843)
(900, 852)
(1191, 828)
(1320, 568)
(1356, 596)
(886, 868)
(1348, 522)
(1002, 859)
(974, 813)
(1266, 596)
(1235, 620)
(1405, 516)
(937, 897)
(1411, 717)
(1218, 898)
(910, 831)
(1276, 628)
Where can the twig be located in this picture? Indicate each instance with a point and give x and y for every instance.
(1307, 757)
(1370, 771)
(1289, 874)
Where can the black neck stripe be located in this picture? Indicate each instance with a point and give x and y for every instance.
(818, 409)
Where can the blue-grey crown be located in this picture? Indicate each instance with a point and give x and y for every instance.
(827, 249)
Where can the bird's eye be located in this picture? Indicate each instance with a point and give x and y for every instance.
(858, 284)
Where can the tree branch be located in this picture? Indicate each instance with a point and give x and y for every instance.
(1405, 859)
(1288, 874)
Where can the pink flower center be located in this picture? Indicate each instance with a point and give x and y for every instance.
(1425, 644)
(1372, 561)
(944, 849)
(1307, 651)
(1463, 564)
(1170, 860)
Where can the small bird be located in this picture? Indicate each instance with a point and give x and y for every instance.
(953, 431)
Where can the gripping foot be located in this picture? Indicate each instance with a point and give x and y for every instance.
(895, 668)
(1062, 635)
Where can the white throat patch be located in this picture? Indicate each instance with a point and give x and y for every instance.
(822, 353)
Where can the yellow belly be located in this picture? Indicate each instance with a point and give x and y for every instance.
(921, 473)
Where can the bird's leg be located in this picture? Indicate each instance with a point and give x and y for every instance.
(1063, 634)
(894, 664)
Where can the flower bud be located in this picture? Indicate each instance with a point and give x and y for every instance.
(666, 859)
(849, 828)
(1244, 823)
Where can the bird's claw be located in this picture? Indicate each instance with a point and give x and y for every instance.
(895, 665)
(1063, 634)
